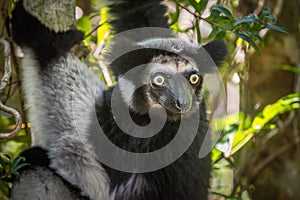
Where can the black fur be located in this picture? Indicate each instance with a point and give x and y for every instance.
(185, 179)
(126, 15)
(217, 51)
(35, 156)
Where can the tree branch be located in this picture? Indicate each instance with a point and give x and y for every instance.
(4, 81)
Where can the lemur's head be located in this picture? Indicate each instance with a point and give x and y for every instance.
(166, 72)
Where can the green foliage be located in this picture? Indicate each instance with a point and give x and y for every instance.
(247, 28)
(238, 130)
(85, 25)
(244, 129)
(223, 21)
(9, 168)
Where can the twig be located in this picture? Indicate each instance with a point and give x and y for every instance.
(3, 84)
(261, 4)
(262, 165)
(94, 29)
(201, 18)
(7, 64)
(18, 121)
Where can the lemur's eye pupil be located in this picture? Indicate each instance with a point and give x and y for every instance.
(194, 79)
(158, 80)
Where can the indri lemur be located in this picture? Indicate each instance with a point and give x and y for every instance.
(57, 85)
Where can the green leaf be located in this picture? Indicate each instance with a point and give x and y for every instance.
(271, 18)
(175, 16)
(256, 36)
(4, 158)
(277, 28)
(21, 166)
(249, 40)
(195, 5)
(266, 12)
(198, 32)
(223, 10)
(84, 24)
(17, 161)
(4, 122)
(290, 68)
(199, 7)
(202, 4)
(215, 154)
(249, 19)
(22, 139)
(220, 34)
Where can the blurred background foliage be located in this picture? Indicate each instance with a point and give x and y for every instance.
(257, 156)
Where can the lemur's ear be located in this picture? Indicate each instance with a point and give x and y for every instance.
(217, 50)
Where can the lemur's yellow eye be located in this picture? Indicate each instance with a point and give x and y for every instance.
(158, 80)
(194, 79)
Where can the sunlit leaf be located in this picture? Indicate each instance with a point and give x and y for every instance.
(215, 154)
(218, 124)
(85, 25)
(285, 104)
(290, 68)
(104, 28)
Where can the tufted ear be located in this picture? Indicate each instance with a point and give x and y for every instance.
(217, 50)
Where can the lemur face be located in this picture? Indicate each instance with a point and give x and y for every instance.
(168, 81)
(174, 83)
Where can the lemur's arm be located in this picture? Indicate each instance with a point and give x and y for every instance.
(58, 87)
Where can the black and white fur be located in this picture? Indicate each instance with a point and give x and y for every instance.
(57, 85)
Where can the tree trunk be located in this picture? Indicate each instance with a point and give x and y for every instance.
(56, 15)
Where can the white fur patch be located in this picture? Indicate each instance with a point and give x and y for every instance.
(127, 89)
(33, 95)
